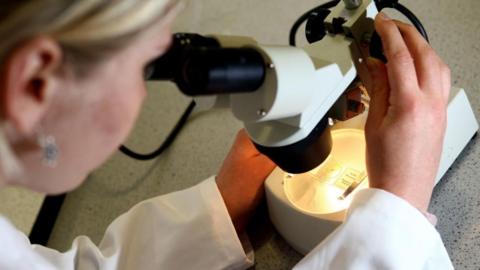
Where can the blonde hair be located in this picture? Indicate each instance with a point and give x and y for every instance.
(87, 30)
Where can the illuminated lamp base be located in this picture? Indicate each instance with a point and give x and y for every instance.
(329, 187)
(306, 208)
(315, 202)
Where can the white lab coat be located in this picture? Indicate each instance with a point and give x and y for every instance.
(191, 229)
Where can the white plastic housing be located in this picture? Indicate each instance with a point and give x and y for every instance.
(286, 90)
(461, 127)
(299, 89)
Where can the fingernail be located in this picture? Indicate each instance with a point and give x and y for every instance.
(383, 16)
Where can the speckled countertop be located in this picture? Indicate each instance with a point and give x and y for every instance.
(199, 150)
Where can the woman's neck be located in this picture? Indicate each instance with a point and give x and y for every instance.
(9, 165)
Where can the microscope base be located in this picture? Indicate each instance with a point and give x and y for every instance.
(303, 230)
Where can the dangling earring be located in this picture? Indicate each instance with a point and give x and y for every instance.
(49, 150)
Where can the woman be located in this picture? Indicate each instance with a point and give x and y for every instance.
(72, 85)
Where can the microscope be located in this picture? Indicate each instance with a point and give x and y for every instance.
(294, 105)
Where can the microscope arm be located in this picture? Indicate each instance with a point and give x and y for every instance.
(282, 94)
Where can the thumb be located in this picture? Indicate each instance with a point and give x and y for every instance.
(378, 75)
(379, 90)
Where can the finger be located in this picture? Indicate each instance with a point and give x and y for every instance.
(400, 67)
(378, 91)
(427, 62)
(446, 78)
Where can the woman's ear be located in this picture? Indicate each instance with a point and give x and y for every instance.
(28, 82)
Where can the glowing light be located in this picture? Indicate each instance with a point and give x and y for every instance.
(330, 187)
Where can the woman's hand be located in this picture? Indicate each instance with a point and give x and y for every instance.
(407, 119)
(241, 178)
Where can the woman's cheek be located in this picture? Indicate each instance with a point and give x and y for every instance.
(119, 111)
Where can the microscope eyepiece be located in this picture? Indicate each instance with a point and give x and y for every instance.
(199, 66)
(209, 71)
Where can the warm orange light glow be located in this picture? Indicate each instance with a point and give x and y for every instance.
(320, 190)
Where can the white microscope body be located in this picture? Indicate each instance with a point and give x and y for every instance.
(300, 87)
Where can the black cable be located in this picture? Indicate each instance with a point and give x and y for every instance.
(46, 219)
(413, 19)
(304, 18)
(170, 138)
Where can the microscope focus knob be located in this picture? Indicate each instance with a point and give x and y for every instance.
(315, 29)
